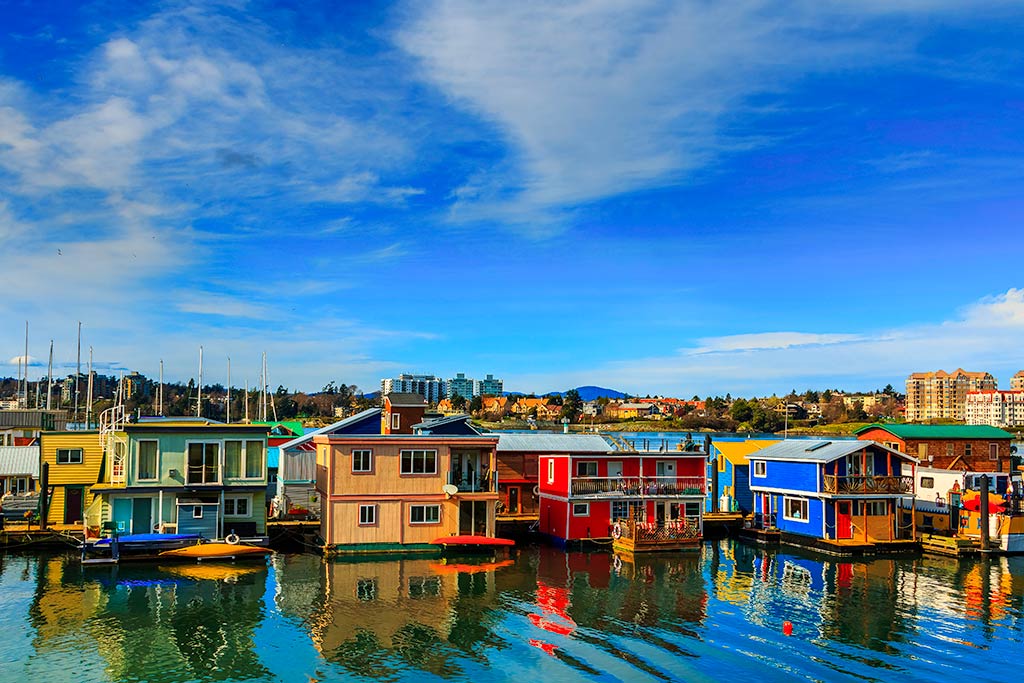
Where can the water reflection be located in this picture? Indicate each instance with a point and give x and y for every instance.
(541, 613)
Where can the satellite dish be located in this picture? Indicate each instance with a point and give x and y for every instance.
(450, 489)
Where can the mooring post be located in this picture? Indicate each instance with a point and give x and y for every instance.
(984, 513)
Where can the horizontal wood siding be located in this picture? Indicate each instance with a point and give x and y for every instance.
(87, 474)
(392, 525)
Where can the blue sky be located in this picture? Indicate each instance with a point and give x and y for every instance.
(678, 198)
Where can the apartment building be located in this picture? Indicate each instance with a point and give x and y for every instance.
(428, 386)
(1017, 382)
(996, 408)
(943, 395)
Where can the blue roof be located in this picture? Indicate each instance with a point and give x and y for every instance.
(815, 450)
(340, 425)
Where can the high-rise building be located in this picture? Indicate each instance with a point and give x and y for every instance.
(461, 385)
(490, 386)
(943, 395)
(996, 408)
(427, 386)
(1017, 382)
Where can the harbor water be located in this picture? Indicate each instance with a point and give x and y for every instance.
(540, 615)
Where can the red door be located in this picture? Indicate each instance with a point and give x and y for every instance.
(844, 529)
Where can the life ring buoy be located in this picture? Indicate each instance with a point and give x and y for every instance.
(231, 539)
(617, 563)
(617, 532)
(536, 491)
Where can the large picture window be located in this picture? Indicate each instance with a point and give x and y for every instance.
(795, 509)
(243, 459)
(419, 462)
(69, 456)
(424, 514)
(147, 467)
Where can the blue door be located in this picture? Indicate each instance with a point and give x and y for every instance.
(122, 515)
(142, 515)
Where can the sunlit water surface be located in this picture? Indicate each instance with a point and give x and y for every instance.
(542, 615)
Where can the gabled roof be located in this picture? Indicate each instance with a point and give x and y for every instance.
(818, 450)
(399, 398)
(19, 461)
(538, 442)
(736, 452)
(918, 431)
(427, 426)
(340, 425)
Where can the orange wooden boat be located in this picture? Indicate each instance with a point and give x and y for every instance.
(215, 550)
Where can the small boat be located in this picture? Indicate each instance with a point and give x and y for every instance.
(114, 549)
(215, 550)
(229, 573)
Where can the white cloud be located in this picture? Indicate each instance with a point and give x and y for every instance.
(770, 340)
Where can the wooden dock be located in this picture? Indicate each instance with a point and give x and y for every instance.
(951, 546)
(26, 535)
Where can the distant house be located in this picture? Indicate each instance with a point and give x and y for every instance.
(19, 469)
(400, 411)
(495, 407)
(23, 427)
(974, 448)
(630, 411)
(830, 490)
(525, 407)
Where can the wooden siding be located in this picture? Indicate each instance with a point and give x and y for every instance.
(393, 524)
(60, 476)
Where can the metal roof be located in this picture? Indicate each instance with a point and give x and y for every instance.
(405, 398)
(818, 450)
(736, 452)
(340, 424)
(19, 461)
(916, 431)
(432, 422)
(555, 443)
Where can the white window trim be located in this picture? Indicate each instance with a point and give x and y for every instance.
(369, 468)
(81, 456)
(764, 468)
(587, 462)
(551, 470)
(785, 509)
(373, 507)
(426, 521)
(236, 497)
(220, 462)
(401, 462)
(585, 506)
(157, 468)
(396, 421)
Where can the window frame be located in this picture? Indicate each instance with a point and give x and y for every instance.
(368, 454)
(576, 509)
(803, 502)
(927, 482)
(412, 462)
(69, 461)
(372, 507)
(586, 464)
(761, 465)
(234, 498)
(620, 504)
(219, 461)
(551, 470)
(138, 460)
(396, 421)
(425, 521)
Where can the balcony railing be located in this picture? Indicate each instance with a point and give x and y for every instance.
(834, 484)
(660, 487)
(474, 483)
(665, 530)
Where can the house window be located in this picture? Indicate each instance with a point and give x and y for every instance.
(967, 450)
(424, 514)
(692, 509)
(871, 508)
(581, 509)
(146, 467)
(396, 421)
(203, 463)
(197, 512)
(551, 471)
(233, 459)
(586, 469)
(721, 463)
(237, 506)
(362, 461)
(927, 482)
(993, 451)
(366, 589)
(69, 456)
(620, 509)
(424, 586)
(254, 460)
(949, 450)
(760, 468)
(794, 509)
(367, 515)
(419, 462)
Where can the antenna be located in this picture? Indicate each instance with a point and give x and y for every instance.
(26, 364)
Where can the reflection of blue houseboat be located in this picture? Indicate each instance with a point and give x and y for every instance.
(840, 496)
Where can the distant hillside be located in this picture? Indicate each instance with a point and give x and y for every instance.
(588, 393)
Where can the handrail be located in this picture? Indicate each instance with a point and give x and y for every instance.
(867, 484)
(638, 486)
(664, 530)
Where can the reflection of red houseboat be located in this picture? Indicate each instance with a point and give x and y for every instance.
(650, 499)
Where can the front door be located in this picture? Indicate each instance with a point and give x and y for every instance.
(844, 528)
(513, 500)
(473, 518)
(142, 516)
(73, 499)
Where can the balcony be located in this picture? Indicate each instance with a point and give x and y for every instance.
(634, 487)
(635, 536)
(868, 485)
(486, 482)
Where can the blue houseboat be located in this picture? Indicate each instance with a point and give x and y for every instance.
(837, 496)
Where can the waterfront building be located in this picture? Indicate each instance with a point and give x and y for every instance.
(414, 483)
(182, 475)
(19, 470)
(996, 408)
(975, 448)
(461, 385)
(296, 477)
(631, 411)
(541, 408)
(728, 476)
(604, 493)
(943, 395)
(23, 427)
(824, 493)
(490, 386)
(75, 461)
(428, 386)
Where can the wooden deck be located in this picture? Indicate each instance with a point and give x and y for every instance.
(639, 537)
(951, 546)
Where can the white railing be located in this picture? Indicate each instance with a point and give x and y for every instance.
(612, 487)
(115, 447)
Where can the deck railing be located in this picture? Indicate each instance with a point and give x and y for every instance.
(834, 484)
(664, 530)
(612, 487)
(473, 483)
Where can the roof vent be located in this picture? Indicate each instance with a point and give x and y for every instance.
(817, 446)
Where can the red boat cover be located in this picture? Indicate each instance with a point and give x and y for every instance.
(472, 540)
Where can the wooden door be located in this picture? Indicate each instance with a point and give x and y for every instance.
(73, 498)
(513, 500)
(844, 526)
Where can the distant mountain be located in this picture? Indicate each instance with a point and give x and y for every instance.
(587, 393)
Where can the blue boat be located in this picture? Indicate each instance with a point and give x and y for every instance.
(113, 549)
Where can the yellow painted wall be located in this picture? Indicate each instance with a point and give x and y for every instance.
(878, 528)
(87, 474)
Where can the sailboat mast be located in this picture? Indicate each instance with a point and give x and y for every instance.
(227, 414)
(199, 400)
(49, 377)
(88, 405)
(247, 401)
(26, 364)
(160, 392)
(78, 369)
(263, 389)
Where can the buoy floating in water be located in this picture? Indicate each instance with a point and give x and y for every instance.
(787, 628)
